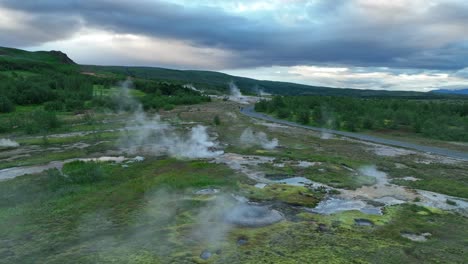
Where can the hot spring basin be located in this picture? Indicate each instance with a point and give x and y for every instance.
(363, 222)
(252, 216)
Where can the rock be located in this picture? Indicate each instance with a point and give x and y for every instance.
(205, 254)
(322, 228)
(242, 241)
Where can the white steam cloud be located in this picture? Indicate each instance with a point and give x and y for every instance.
(191, 87)
(8, 143)
(252, 138)
(151, 135)
(234, 90)
(236, 95)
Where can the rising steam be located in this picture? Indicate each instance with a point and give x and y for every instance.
(8, 143)
(234, 90)
(149, 134)
(252, 138)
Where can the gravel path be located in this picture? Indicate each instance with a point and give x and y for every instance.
(249, 111)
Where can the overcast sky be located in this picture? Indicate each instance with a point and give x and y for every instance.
(369, 44)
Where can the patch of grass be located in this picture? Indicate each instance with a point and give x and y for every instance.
(293, 195)
(83, 172)
(66, 220)
(442, 178)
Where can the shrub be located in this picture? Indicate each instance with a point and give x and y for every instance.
(73, 104)
(6, 105)
(41, 121)
(450, 202)
(216, 120)
(53, 106)
(81, 172)
(168, 107)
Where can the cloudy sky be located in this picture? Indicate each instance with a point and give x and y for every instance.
(369, 44)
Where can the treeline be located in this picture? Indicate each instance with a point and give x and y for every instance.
(60, 91)
(165, 95)
(439, 119)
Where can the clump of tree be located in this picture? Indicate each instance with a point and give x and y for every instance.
(165, 95)
(6, 105)
(59, 91)
(439, 119)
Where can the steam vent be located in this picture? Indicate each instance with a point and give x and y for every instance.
(252, 216)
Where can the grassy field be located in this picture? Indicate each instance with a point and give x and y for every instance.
(149, 212)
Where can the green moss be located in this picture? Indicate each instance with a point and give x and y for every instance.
(294, 195)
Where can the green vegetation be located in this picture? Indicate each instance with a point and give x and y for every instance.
(54, 82)
(216, 120)
(293, 195)
(438, 119)
(216, 83)
(150, 211)
(164, 95)
(83, 172)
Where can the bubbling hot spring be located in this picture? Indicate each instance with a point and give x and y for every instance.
(247, 215)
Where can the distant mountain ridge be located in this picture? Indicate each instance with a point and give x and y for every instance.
(452, 91)
(209, 81)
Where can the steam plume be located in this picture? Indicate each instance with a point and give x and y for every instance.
(251, 138)
(153, 136)
(8, 143)
(234, 90)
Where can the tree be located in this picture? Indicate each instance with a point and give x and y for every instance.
(283, 113)
(216, 120)
(303, 117)
(6, 105)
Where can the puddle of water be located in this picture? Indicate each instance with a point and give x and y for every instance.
(295, 181)
(244, 164)
(247, 215)
(388, 200)
(207, 191)
(118, 159)
(372, 171)
(242, 241)
(306, 164)
(335, 205)
(363, 222)
(410, 179)
(205, 254)
(14, 172)
(382, 192)
(415, 237)
(437, 200)
(300, 181)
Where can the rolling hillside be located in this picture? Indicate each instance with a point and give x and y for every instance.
(210, 81)
(216, 81)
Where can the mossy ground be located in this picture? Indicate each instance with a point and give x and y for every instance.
(148, 213)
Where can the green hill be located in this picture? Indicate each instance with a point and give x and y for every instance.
(216, 81)
(38, 56)
(49, 62)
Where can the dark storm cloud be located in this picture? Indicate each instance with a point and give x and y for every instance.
(341, 33)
